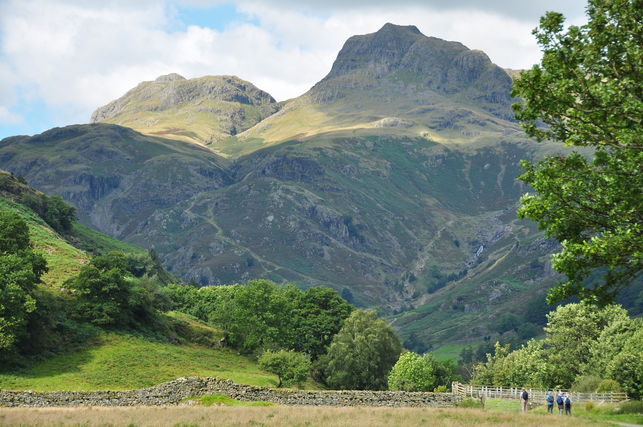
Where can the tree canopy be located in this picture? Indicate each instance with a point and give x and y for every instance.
(587, 92)
(362, 353)
(20, 270)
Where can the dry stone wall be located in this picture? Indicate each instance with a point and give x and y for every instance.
(174, 392)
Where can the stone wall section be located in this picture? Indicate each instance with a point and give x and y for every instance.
(174, 392)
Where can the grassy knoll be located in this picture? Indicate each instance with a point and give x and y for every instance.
(277, 416)
(119, 362)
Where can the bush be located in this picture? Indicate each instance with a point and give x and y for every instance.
(413, 372)
(607, 386)
(630, 407)
(586, 384)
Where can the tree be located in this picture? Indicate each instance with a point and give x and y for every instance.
(290, 366)
(259, 315)
(413, 372)
(587, 91)
(362, 353)
(20, 270)
(105, 296)
(572, 330)
(319, 315)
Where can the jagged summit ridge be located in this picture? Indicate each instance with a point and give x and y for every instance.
(401, 56)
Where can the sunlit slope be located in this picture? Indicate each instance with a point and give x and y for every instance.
(113, 361)
(398, 81)
(203, 110)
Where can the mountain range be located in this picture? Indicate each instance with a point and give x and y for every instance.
(392, 180)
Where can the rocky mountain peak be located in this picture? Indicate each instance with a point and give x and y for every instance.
(396, 58)
(203, 110)
(169, 77)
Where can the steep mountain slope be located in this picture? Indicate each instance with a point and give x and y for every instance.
(392, 180)
(203, 110)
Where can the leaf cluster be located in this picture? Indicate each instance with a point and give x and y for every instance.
(588, 91)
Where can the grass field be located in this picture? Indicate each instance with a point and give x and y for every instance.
(278, 416)
(121, 362)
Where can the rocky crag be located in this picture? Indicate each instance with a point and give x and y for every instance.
(204, 110)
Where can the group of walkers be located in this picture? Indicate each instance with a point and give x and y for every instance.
(563, 401)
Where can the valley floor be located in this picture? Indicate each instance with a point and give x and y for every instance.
(280, 416)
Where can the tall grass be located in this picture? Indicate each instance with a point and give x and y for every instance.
(277, 416)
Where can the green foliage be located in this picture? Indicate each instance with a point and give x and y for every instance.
(626, 367)
(571, 331)
(631, 407)
(319, 315)
(105, 296)
(586, 384)
(263, 315)
(523, 367)
(53, 209)
(588, 92)
(507, 322)
(611, 342)
(290, 366)
(607, 386)
(412, 372)
(20, 271)
(584, 347)
(362, 353)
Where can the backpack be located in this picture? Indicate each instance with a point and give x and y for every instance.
(550, 398)
(568, 401)
(525, 395)
(560, 400)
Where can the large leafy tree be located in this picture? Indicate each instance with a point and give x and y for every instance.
(587, 92)
(20, 271)
(362, 353)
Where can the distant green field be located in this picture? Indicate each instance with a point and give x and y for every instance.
(120, 362)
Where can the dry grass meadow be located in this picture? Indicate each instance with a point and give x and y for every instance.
(277, 416)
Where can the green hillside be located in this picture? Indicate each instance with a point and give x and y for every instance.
(114, 361)
(61, 354)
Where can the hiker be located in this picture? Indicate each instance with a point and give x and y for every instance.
(560, 400)
(524, 399)
(568, 404)
(550, 403)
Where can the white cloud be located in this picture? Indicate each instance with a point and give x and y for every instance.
(77, 55)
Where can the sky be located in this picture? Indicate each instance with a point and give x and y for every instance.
(62, 59)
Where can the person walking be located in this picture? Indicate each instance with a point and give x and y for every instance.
(568, 404)
(560, 400)
(550, 402)
(524, 400)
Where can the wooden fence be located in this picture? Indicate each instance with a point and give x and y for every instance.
(490, 392)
